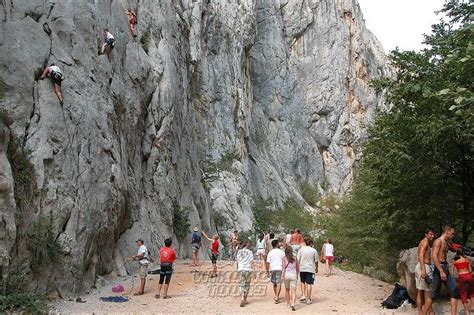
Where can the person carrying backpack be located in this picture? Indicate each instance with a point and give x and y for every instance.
(195, 246)
(57, 77)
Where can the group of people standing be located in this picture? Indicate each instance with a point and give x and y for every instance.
(54, 72)
(432, 270)
(283, 261)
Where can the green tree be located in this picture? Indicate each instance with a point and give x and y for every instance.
(421, 152)
(418, 162)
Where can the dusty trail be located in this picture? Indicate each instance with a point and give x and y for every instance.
(342, 293)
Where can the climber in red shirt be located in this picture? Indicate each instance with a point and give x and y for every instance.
(167, 258)
(132, 21)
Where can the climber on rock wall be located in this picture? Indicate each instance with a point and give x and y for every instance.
(132, 21)
(108, 45)
(55, 74)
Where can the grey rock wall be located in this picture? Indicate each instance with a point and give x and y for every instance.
(217, 102)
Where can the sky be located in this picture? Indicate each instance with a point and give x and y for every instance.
(400, 23)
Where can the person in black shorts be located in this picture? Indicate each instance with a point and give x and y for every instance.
(167, 258)
(308, 259)
(57, 77)
(214, 252)
(108, 45)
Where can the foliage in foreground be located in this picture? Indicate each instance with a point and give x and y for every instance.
(42, 243)
(418, 162)
(22, 302)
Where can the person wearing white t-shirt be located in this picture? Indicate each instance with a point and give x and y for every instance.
(108, 45)
(274, 264)
(244, 259)
(57, 77)
(308, 259)
(328, 252)
(143, 260)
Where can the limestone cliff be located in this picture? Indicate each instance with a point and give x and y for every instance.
(215, 103)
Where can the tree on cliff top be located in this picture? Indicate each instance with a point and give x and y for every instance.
(418, 162)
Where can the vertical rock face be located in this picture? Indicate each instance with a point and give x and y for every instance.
(217, 102)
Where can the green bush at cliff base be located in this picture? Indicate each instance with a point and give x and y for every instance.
(309, 193)
(181, 225)
(290, 216)
(22, 303)
(42, 243)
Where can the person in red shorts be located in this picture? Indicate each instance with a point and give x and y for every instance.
(328, 254)
(167, 258)
(465, 280)
(132, 21)
(214, 252)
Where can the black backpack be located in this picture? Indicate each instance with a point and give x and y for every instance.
(57, 75)
(394, 300)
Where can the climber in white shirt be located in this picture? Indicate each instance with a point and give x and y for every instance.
(108, 45)
(57, 77)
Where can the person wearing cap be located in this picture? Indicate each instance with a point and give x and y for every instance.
(195, 246)
(143, 260)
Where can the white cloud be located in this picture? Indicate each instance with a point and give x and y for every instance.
(400, 23)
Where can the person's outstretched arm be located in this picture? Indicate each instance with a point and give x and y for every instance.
(207, 237)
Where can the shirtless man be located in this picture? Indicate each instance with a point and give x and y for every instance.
(424, 272)
(441, 270)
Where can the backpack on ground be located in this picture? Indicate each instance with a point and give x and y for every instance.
(394, 300)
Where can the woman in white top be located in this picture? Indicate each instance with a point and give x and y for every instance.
(108, 45)
(291, 270)
(262, 257)
(56, 75)
(328, 254)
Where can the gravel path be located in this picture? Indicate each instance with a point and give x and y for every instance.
(195, 293)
